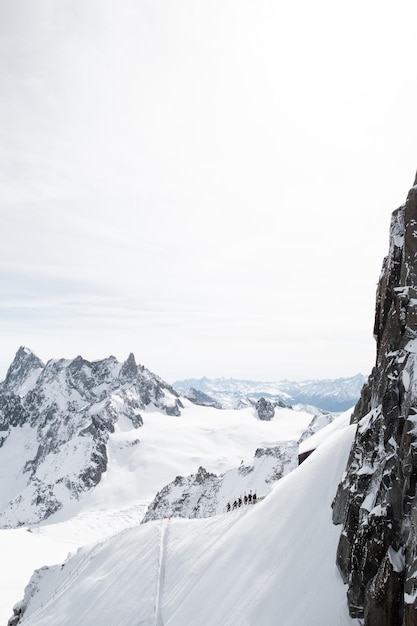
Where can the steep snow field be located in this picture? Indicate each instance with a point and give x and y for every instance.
(263, 565)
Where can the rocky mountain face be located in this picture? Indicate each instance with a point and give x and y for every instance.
(55, 420)
(333, 395)
(376, 501)
(265, 409)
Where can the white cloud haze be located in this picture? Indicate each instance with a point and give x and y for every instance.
(206, 184)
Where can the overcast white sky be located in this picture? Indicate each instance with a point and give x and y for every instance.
(206, 184)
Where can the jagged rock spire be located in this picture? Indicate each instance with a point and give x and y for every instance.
(376, 500)
(129, 367)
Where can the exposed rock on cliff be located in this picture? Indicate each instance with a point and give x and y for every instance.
(265, 409)
(376, 500)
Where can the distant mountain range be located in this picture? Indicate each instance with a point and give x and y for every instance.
(334, 395)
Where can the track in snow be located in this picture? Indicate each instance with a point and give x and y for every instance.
(161, 574)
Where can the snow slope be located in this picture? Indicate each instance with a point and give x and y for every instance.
(263, 565)
(141, 461)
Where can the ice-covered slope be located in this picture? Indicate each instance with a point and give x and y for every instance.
(273, 563)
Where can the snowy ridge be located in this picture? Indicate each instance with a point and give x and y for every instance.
(204, 494)
(260, 565)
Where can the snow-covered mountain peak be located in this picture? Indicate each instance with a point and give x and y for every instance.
(55, 422)
(23, 372)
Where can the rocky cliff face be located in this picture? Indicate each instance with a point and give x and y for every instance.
(265, 409)
(376, 501)
(55, 420)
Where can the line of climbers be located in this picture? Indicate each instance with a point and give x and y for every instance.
(250, 499)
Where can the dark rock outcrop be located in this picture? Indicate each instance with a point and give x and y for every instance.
(187, 496)
(377, 499)
(265, 409)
